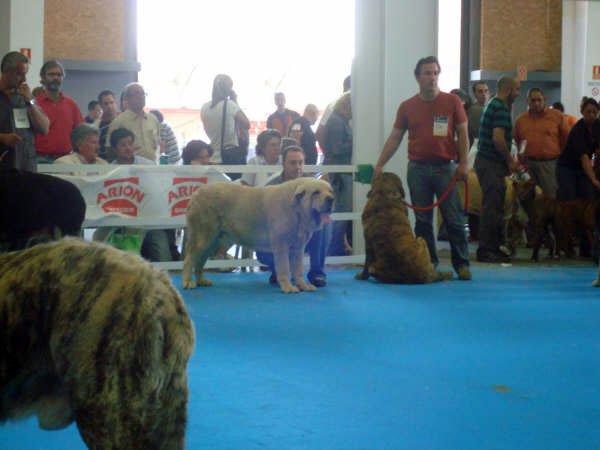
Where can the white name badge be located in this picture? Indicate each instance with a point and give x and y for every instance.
(21, 118)
(440, 126)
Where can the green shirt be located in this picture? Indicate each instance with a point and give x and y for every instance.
(495, 115)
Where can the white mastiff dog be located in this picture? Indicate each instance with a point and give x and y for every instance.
(277, 218)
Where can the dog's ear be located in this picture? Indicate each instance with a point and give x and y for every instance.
(395, 181)
(299, 194)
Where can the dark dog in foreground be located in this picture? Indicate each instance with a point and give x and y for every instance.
(97, 336)
(393, 255)
(35, 207)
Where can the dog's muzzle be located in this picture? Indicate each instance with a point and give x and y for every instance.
(322, 216)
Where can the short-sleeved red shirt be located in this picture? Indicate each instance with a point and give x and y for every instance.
(64, 116)
(417, 116)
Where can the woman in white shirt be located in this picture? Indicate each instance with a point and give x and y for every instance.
(85, 142)
(212, 117)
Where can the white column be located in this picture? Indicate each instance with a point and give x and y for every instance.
(574, 44)
(391, 35)
(591, 81)
(22, 26)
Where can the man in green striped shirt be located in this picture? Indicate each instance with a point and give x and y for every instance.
(492, 163)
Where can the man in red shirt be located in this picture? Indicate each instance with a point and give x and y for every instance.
(63, 112)
(432, 119)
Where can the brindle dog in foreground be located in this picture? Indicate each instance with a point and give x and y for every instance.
(97, 336)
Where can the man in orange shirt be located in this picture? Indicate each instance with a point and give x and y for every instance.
(545, 132)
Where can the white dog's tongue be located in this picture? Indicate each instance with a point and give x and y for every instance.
(325, 218)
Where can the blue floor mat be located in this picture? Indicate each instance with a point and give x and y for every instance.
(509, 360)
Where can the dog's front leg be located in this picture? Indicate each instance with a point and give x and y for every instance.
(187, 280)
(282, 266)
(296, 256)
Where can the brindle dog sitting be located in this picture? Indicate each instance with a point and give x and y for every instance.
(393, 255)
(97, 336)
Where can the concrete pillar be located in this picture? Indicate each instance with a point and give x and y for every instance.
(580, 53)
(591, 66)
(574, 49)
(391, 35)
(22, 26)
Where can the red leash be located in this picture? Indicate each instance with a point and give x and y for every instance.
(443, 197)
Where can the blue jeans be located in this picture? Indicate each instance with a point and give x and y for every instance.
(426, 180)
(316, 248)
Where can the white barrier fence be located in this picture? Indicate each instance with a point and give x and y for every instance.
(155, 197)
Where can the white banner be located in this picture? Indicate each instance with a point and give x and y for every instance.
(141, 192)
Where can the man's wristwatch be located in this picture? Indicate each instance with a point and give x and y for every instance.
(30, 102)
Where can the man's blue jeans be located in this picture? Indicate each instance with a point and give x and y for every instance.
(316, 247)
(426, 180)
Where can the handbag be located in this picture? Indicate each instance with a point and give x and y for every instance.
(233, 156)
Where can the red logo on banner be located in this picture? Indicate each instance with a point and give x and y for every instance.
(182, 191)
(123, 196)
(596, 73)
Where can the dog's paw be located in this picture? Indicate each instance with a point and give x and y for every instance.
(203, 282)
(306, 286)
(361, 276)
(288, 288)
(596, 283)
(188, 284)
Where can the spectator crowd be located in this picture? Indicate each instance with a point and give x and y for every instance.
(449, 135)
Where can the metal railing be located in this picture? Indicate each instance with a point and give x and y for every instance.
(179, 221)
